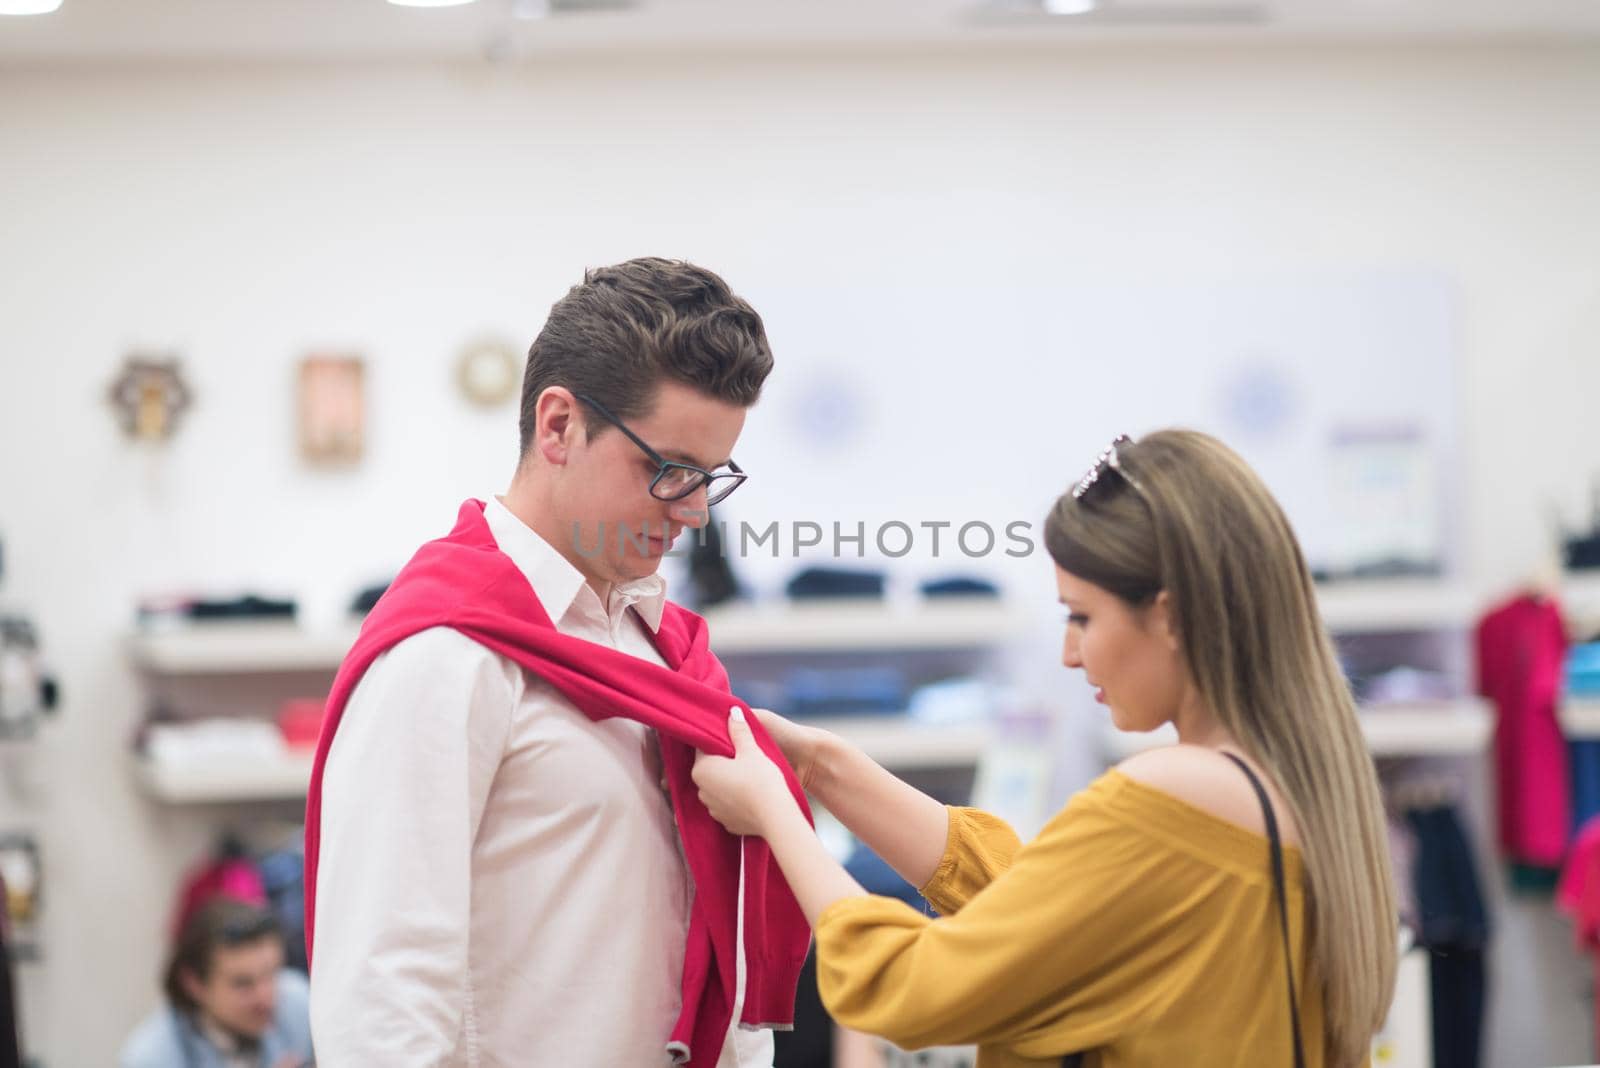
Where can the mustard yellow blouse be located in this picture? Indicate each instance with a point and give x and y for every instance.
(1135, 927)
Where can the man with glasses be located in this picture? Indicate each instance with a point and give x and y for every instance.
(506, 862)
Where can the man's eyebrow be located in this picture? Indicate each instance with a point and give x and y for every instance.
(685, 458)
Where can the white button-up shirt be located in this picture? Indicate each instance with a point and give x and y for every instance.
(500, 879)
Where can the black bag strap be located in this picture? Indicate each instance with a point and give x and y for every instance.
(1283, 900)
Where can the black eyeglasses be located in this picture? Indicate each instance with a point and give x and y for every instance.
(1107, 461)
(675, 481)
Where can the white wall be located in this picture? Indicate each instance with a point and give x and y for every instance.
(247, 217)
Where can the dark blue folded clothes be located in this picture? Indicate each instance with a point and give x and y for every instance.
(249, 606)
(861, 691)
(367, 598)
(817, 583)
(876, 877)
(1584, 762)
(1582, 551)
(959, 586)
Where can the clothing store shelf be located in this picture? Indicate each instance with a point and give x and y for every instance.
(1394, 605)
(239, 648)
(822, 626)
(899, 742)
(1426, 728)
(283, 778)
(1429, 728)
(1580, 718)
(893, 741)
(850, 625)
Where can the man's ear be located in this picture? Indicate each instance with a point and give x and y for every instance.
(557, 425)
(191, 984)
(1164, 617)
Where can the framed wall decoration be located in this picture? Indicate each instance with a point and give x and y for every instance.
(148, 395)
(332, 410)
(489, 373)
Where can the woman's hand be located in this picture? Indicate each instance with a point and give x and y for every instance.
(802, 746)
(745, 792)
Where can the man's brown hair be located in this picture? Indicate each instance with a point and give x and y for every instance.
(616, 336)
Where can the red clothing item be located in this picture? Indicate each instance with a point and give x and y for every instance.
(465, 582)
(1578, 892)
(230, 877)
(1578, 895)
(1521, 647)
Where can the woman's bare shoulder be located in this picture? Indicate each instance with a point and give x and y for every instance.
(1206, 779)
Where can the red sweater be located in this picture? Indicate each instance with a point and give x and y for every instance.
(465, 582)
(1521, 646)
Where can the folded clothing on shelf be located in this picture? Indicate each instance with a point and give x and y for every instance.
(959, 586)
(300, 721)
(1583, 670)
(818, 583)
(860, 691)
(247, 606)
(1404, 685)
(876, 877)
(197, 741)
(963, 699)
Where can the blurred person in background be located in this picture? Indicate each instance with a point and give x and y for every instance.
(231, 1003)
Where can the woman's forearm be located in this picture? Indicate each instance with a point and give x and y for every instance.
(900, 823)
(816, 879)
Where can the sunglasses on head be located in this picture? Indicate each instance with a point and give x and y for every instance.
(1106, 461)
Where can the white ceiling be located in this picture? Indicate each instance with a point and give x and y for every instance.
(300, 30)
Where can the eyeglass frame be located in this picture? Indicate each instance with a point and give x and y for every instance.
(663, 464)
(1107, 461)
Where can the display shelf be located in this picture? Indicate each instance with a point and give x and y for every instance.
(1434, 728)
(820, 626)
(865, 626)
(1374, 606)
(898, 742)
(1580, 718)
(282, 778)
(893, 741)
(238, 648)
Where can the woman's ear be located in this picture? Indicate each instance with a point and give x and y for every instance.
(1164, 617)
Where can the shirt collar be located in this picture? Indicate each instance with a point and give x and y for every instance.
(230, 1046)
(555, 581)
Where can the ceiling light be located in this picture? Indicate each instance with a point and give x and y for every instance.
(28, 7)
(430, 3)
(1069, 7)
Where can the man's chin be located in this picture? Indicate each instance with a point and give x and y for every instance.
(248, 1032)
(635, 568)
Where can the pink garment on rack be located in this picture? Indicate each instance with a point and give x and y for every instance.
(1521, 646)
(1578, 892)
(1578, 895)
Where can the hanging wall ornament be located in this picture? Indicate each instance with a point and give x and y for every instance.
(20, 876)
(489, 373)
(148, 396)
(332, 410)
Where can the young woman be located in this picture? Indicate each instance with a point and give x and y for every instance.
(1153, 922)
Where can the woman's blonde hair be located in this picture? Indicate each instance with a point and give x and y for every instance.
(1188, 516)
